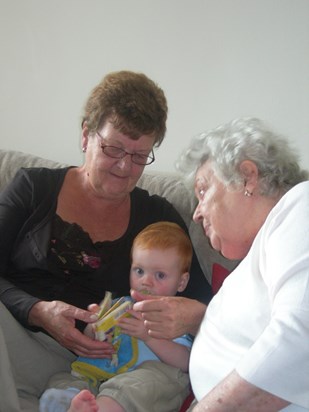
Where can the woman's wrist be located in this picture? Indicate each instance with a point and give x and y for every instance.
(198, 313)
(35, 313)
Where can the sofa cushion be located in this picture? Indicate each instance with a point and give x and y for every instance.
(170, 186)
(11, 161)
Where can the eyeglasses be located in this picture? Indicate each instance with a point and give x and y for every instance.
(119, 153)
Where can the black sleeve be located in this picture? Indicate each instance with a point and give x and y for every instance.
(16, 202)
(15, 209)
(23, 204)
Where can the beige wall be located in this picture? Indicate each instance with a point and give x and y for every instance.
(215, 59)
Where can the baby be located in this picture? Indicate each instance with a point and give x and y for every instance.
(160, 261)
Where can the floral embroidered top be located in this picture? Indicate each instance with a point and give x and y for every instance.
(72, 250)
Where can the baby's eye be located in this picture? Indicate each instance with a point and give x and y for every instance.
(160, 275)
(138, 271)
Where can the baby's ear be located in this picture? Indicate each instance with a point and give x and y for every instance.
(184, 279)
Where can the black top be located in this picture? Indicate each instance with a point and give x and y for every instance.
(38, 260)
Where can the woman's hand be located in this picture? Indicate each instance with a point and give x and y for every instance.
(89, 329)
(58, 319)
(167, 317)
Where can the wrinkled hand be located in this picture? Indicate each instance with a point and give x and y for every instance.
(167, 317)
(58, 319)
(134, 326)
(89, 329)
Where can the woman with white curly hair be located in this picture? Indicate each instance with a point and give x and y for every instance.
(251, 352)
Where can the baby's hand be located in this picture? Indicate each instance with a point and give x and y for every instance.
(134, 325)
(89, 331)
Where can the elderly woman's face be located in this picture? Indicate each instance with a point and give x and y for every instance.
(222, 213)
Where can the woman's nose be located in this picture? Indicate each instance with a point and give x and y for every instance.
(197, 215)
(125, 162)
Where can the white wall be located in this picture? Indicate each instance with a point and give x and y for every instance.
(215, 59)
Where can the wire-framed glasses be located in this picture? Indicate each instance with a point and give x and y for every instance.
(119, 153)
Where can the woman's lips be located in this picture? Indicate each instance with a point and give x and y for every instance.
(207, 229)
(119, 176)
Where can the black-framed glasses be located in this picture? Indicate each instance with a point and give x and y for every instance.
(119, 153)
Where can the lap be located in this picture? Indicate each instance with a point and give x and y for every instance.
(31, 359)
(153, 387)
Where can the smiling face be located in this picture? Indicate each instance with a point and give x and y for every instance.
(109, 177)
(157, 271)
(226, 215)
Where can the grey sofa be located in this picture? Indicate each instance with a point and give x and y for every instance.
(170, 186)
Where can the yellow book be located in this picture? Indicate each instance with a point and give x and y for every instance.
(108, 315)
(106, 304)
